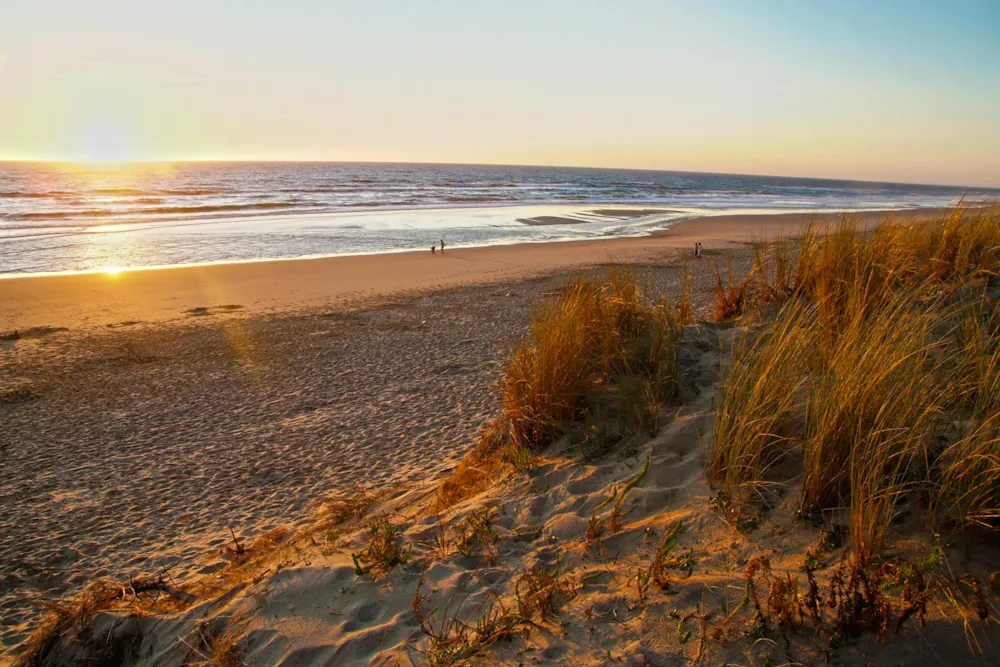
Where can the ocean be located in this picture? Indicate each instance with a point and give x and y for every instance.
(58, 218)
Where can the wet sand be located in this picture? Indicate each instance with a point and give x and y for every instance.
(300, 285)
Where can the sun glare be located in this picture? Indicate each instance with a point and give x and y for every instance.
(107, 229)
(113, 271)
(104, 141)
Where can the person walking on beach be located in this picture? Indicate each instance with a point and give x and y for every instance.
(697, 250)
(442, 246)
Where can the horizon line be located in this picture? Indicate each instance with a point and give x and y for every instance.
(110, 163)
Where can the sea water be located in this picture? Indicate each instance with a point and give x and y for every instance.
(56, 218)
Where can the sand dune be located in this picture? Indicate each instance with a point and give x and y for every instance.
(137, 447)
(306, 604)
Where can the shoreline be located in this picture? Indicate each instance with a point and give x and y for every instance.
(624, 212)
(295, 284)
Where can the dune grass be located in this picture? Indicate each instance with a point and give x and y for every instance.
(751, 430)
(685, 310)
(602, 341)
(843, 388)
(968, 492)
(872, 385)
(976, 372)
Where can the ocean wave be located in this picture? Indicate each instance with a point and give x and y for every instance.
(118, 192)
(114, 192)
(159, 211)
(193, 192)
(478, 200)
(53, 194)
(328, 189)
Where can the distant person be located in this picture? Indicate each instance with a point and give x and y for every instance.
(442, 246)
(697, 250)
(433, 249)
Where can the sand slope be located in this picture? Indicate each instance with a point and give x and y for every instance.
(306, 605)
(132, 448)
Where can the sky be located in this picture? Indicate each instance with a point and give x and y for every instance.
(900, 91)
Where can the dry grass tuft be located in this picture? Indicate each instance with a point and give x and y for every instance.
(969, 490)
(871, 406)
(968, 468)
(215, 643)
(383, 551)
(495, 453)
(732, 296)
(241, 556)
(602, 342)
(595, 333)
(685, 311)
(541, 591)
(456, 642)
(476, 530)
(67, 623)
(64, 621)
(350, 505)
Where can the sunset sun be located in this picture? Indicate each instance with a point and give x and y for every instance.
(104, 141)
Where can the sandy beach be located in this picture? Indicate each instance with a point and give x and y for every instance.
(441, 334)
(147, 414)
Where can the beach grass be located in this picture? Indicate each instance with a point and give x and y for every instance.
(874, 351)
(600, 338)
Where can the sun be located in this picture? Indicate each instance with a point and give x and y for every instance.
(104, 141)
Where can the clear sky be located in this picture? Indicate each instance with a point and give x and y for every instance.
(880, 90)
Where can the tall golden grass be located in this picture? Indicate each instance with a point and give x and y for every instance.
(596, 332)
(751, 429)
(685, 311)
(969, 467)
(600, 336)
(871, 386)
(862, 363)
(733, 297)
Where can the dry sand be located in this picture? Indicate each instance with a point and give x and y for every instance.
(136, 437)
(305, 605)
(129, 448)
